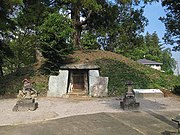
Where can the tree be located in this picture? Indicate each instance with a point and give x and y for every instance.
(117, 26)
(82, 12)
(172, 22)
(78, 9)
(55, 40)
(154, 47)
(31, 15)
(23, 48)
(89, 41)
(168, 62)
(6, 24)
(23, 42)
(155, 51)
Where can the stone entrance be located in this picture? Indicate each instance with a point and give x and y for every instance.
(80, 79)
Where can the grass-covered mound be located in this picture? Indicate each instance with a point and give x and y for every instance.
(118, 68)
(119, 72)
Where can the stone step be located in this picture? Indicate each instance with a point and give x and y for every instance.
(77, 93)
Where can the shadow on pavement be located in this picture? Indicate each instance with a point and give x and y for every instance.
(169, 133)
(145, 104)
(162, 118)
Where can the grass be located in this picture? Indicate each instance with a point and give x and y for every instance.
(12, 83)
(119, 73)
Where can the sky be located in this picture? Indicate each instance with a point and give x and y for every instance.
(153, 12)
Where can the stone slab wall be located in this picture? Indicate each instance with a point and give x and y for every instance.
(92, 79)
(97, 85)
(58, 84)
(99, 88)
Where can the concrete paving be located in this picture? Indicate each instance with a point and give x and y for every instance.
(119, 123)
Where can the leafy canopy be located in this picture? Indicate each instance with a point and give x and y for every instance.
(55, 41)
(172, 22)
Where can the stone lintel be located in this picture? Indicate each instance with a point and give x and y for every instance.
(80, 66)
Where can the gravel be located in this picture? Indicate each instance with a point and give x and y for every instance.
(53, 108)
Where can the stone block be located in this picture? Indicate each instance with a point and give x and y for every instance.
(99, 89)
(92, 79)
(58, 84)
(25, 105)
(148, 93)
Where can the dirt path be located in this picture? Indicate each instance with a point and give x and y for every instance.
(53, 108)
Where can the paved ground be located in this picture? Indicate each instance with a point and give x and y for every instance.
(126, 123)
(90, 117)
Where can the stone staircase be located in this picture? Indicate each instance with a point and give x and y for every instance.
(77, 94)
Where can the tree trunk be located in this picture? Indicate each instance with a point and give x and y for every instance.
(77, 38)
(1, 71)
(77, 24)
(75, 16)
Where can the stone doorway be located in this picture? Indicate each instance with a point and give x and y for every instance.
(78, 80)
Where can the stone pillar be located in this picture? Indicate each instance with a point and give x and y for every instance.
(58, 84)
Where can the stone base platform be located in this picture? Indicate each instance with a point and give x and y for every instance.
(25, 105)
(148, 93)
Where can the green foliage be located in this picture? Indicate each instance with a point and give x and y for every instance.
(21, 19)
(150, 48)
(89, 41)
(6, 24)
(55, 40)
(126, 36)
(40, 87)
(88, 4)
(23, 49)
(176, 90)
(78, 9)
(136, 2)
(168, 62)
(172, 22)
(32, 14)
(12, 83)
(143, 77)
(154, 51)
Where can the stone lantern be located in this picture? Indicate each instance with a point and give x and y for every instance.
(129, 85)
(129, 100)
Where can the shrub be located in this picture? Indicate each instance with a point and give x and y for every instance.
(176, 89)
